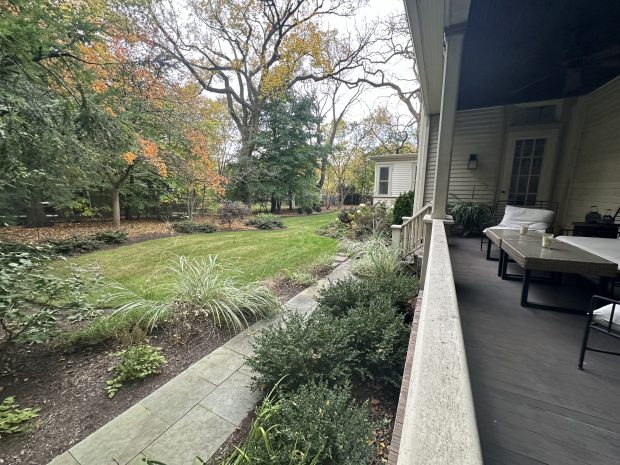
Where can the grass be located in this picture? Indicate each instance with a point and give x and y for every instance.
(255, 255)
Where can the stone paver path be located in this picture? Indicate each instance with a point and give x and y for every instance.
(195, 412)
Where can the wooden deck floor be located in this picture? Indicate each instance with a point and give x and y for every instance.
(533, 405)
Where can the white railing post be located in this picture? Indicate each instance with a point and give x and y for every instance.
(396, 232)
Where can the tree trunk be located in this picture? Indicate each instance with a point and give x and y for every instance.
(204, 199)
(116, 206)
(274, 205)
(36, 214)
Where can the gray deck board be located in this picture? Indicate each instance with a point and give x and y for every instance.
(533, 405)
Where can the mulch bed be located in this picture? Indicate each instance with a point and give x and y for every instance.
(70, 390)
(69, 387)
(137, 230)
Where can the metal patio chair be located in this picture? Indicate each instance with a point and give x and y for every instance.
(605, 320)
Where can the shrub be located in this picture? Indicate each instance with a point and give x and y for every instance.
(335, 229)
(231, 211)
(397, 289)
(110, 236)
(316, 425)
(345, 216)
(372, 221)
(76, 244)
(13, 419)
(403, 207)
(300, 351)
(32, 296)
(379, 260)
(265, 221)
(189, 227)
(316, 208)
(136, 362)
(380, 337)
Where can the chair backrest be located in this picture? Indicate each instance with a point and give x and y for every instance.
(500, 208)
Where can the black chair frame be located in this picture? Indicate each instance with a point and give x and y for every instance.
(593, 325)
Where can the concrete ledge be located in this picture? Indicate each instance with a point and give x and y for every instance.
(439, 425)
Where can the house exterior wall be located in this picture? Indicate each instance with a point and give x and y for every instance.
(431, 160)
(478, 131)
(586, 170)
(481, 132)
(596, 175)
(402, 179)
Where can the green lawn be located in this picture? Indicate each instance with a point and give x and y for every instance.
(255, 255)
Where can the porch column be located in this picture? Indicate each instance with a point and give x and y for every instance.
(453, 49)
(453, 44)
(420, 175)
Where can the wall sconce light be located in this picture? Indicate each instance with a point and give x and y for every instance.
(472, 164)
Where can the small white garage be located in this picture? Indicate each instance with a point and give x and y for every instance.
(394, 174)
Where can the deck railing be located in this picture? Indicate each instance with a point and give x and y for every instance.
(410, 235)
(439, 424)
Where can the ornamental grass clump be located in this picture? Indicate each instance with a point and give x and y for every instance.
(210, 288)
(200, 289)
(378, 260)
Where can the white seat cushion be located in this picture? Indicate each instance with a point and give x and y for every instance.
(602, 315)
(537, 219)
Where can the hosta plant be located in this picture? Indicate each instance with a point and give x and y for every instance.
(136, 362)
(13, 419)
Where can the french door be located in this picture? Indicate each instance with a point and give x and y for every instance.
(529, 161)
(526, 170)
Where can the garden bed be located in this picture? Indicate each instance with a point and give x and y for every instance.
(69, 387)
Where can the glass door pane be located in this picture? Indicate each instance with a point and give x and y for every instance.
(526, 167)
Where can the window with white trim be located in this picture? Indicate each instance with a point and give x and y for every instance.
(384, 180)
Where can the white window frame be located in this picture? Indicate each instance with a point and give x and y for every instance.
(390, 167)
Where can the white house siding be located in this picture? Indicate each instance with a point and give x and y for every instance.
(476, 131)
(481, 132)
(402, 179)
(596, 178)
(431, 160)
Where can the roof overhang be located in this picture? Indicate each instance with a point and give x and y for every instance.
(428, 19)
(395, 157)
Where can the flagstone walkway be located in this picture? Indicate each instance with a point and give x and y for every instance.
(195, 412)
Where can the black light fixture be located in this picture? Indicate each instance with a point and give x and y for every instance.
(472, 164)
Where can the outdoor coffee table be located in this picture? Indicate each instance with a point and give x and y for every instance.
(560, 258)
(496, 236)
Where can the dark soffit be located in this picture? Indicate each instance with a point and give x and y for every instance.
(519, 51)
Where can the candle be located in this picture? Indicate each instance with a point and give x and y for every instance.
(547, 239)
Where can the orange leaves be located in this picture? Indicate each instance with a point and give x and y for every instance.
(150, 151)
(130, 158)
(201, 165)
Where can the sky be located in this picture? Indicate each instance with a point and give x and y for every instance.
(376, 9)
